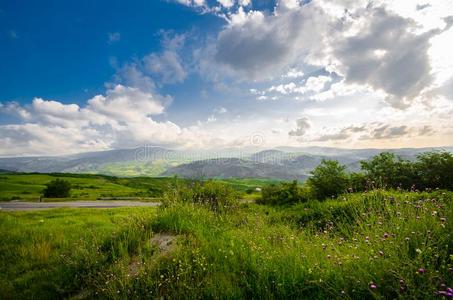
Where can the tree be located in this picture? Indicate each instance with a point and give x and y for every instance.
(435, 170)
(387, 170)
(57, 188)
(328, 179)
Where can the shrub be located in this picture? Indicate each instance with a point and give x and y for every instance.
(435, 170)
(328, 179)
(387, 170)
(357, 182)
(57, 188)
(213, 195)
(283, 193)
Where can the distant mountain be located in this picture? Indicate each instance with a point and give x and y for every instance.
(281, 162)
(90, 162)
(232, 168)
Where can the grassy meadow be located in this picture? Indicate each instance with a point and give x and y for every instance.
(370, 245)
(29, 187)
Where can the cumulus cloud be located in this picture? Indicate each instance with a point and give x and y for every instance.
(366, 43)
(386, 55)
(123, 117)
(260, 46)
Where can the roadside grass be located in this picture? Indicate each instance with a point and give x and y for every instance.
(51, 254)
(363, 246)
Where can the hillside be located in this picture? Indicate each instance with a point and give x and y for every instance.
(281, 163)
(232, 168)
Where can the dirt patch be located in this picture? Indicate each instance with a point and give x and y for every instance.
(134, 266)
(164, 241)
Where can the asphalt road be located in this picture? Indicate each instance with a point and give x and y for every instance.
(18, 205)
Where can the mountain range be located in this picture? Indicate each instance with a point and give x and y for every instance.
(279, 163)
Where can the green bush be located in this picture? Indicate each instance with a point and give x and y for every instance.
(435, 170)
(283, 194)
(431, 170)
(387, 170)
(357, 182)
(57, 188)
(328, 179)
(214, 195)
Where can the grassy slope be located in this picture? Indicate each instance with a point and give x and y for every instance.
(89, 187)
(313, 250)
(30, 186)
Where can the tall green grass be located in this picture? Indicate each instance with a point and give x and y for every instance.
(362, 246)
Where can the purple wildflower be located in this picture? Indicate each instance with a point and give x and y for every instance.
(421, 271)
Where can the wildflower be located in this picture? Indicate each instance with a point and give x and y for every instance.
(443, 220)
(381, 253)
(386, 235)
(421, 271)
(373, 286)
(448, 293)
(407, 239)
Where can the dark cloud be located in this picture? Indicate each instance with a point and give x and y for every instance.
(265, 45)
(303, 125)
(343, 134)
(422, 6)
(388, 56)
(384, 53)
(426, 131)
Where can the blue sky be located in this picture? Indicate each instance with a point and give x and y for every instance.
(196, 74)
(61, 50)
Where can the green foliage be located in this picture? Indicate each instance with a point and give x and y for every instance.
(387, 170)
(435, 170)
(399, 242)
(57, 188)
(282, 194)
(430, 170)
(216, 196)
(329, 179)
(357, 182)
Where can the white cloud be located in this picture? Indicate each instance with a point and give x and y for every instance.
(195, 3)
(114, 37)
(220, 110)
(226, 3)
(120, 118)
(167, 65)
(377, 45)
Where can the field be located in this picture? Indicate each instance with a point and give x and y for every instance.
(90, 187)
(377, 244)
